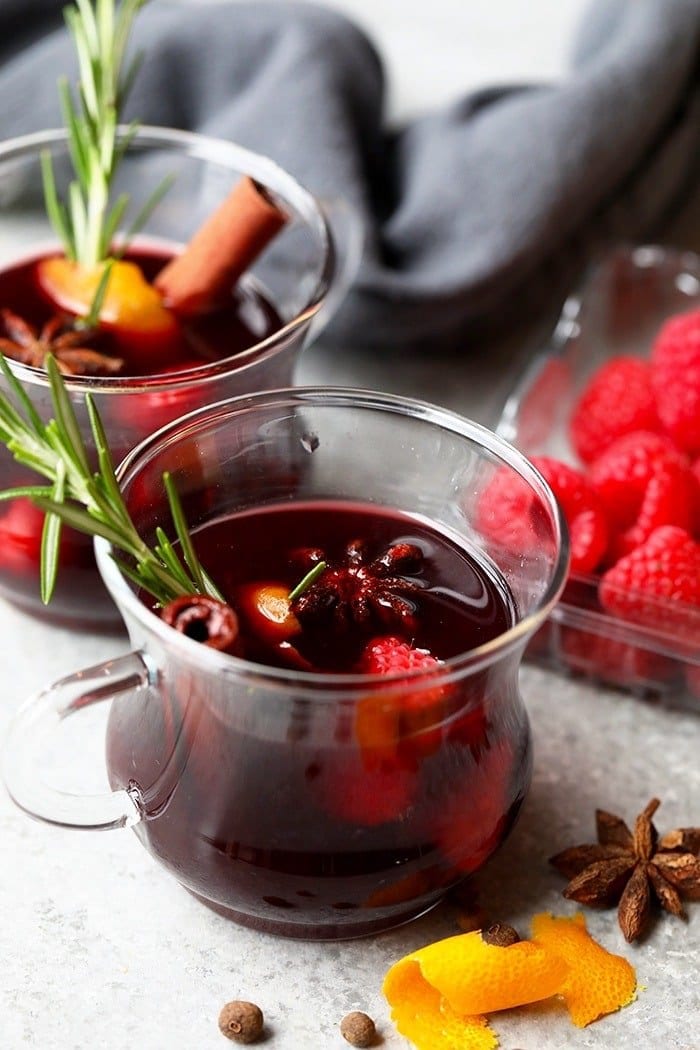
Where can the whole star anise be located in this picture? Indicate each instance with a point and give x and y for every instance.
(361, 590)
(624, 867)
(22, 342)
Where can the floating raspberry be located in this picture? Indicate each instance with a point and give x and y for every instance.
(658, 584)
(617, 400)
(584, 513)
(407, 722)
(350, 791)
(477, 812)
(21, 527)
(675, 379)
(643, 482)
(390, 655)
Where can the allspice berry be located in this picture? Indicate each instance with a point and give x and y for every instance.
(500, 934)
(358, 1029)
(241, 1021)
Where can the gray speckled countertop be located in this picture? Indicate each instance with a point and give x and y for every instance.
(102, 950)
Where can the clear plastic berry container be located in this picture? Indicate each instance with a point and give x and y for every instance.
(618, 310)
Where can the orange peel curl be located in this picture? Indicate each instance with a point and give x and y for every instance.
(440, 994)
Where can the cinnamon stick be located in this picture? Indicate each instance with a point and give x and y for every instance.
(203, 619)
(201, 278)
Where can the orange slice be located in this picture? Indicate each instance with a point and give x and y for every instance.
(132, 309)
(266, 609)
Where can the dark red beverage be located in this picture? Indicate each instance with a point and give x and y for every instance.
(247, 319)
(319, 807)
(158, 397)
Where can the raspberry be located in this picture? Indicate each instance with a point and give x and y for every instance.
(392, 656)
(153, 406)
(658, 584)
(643, 482)
(350, 792)
(478, 808)
(675, 379)
(585, 516)
(410, 722)
(508, 512)
(21, 528)
(617, 400)
(503, 512)
(614, 661)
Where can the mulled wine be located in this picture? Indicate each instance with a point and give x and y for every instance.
(351, 748)
(348, 811)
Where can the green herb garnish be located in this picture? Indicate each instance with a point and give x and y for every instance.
(91, 501)
(87, 222)
(311, 577)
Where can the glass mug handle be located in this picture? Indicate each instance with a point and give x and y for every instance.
(38, 719)
(348, 240)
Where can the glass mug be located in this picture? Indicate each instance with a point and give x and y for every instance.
(235, 775)
(303, 273)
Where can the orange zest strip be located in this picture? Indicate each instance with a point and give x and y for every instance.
(440, 994)
(598, 982)
(480, 978)
(421, 1014)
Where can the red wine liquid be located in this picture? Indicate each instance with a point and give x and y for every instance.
(246, 320)
(459, 605)
(292, 812)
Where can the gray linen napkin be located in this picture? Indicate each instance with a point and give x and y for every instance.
(475, 216)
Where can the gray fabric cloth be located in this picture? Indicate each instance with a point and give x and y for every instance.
(476, 215)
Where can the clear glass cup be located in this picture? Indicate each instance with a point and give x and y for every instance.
(236, 776)
(299, 273)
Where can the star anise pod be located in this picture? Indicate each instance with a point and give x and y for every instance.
(23, 342)
(362, 590)
(626, 868)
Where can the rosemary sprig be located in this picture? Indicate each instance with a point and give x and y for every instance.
(88, 500)
(87, 222)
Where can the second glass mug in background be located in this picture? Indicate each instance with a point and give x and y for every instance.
(299, 273)
(228, 770)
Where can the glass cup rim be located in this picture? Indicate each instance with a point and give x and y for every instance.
(210, 660)
(204, 147)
